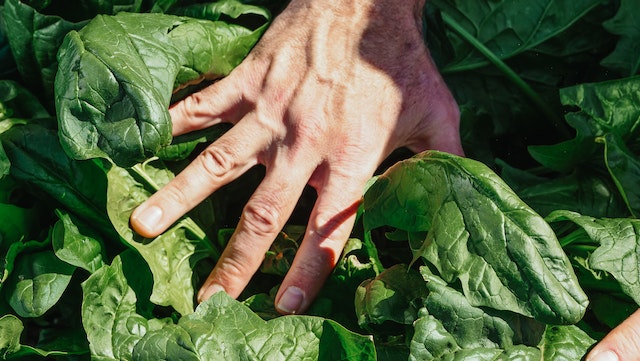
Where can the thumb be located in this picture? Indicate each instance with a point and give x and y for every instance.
(621, 344)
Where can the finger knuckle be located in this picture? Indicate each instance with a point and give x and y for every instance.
(262, 218)
(217, 160)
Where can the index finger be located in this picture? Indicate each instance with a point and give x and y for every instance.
(220, 163)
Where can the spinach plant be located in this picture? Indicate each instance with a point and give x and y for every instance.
(513, 253)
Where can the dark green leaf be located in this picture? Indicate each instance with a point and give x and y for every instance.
(395, 295)
(117, 106)
(605, 107)
(34, 38)
(624, 167)
(39, 162)
(626, 56)
(507, 28)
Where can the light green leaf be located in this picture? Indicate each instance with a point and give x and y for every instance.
(479, 232)
(170, 256)
(224, 329)
(109, 313)
(77, 244)
(10, 331)
(565, 343)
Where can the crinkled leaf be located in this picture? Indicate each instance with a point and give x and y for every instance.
(224, 329)
(109, 313)
(604, 107)
(76, 243)
(170, 256)
(618, 252)
(479, 232)
(624, 167)
(117, 106)
(37, 283)
(626, 56)
(393, 296)
(476, 327)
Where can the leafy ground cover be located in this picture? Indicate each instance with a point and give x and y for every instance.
(526, 249)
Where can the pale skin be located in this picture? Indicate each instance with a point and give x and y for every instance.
(332, 88)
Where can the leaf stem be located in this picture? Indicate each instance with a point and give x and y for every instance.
(531, 94)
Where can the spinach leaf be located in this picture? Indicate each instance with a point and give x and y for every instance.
(394, 296)
(37, 283)
(565, 343)
(170, 256)
(505, 28)
(39, 163)
(117, 106)
(624, 167)
(76, 243)
(11, 331)
(222, 328)
(604, 107)
(34, 38)
(625, 58)
(477, 231)
(617, 252)
(109, 313)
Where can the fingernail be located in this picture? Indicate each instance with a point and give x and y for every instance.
(209, 291)
(291, 300)
(604, 356)
(149, 217)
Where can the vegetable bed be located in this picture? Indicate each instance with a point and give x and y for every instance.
(527, 249)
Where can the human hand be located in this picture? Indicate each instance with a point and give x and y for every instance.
(333, 87)
(621, 344)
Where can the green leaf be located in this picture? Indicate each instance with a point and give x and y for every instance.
(117, 106)
(35, 38)
(39, 162)
(618, 252)
(624, 167)
(476, 327)
(37, 283)
(565, 343)
(109, 314)
(584, 191)
(224, 329)
(604, 107)
(506, 28)
(76, 243)
(170, 256)
(10, 331)
(480, 233)
(395, 295)
(626, 56)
